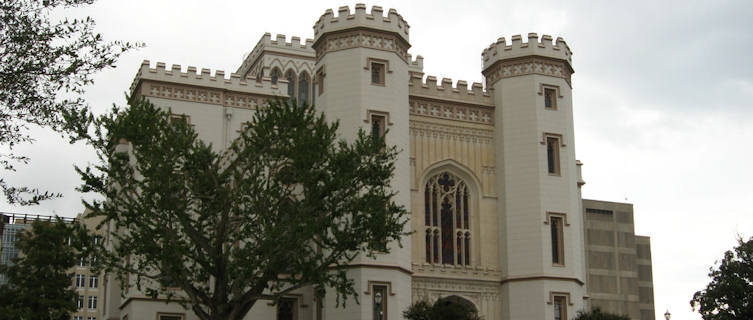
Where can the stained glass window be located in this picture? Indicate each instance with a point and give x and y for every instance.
(447, 215)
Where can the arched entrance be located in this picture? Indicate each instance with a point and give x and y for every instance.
(456, 308)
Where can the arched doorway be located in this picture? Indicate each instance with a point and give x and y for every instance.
(456, 307)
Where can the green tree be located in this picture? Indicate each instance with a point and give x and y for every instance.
(447, 308)
(729, 295)
(44, 68)
(39, 281)
(597, 314)
(287, 205)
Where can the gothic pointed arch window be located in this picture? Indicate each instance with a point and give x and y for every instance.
(275, 75)
(290, 76)
(446, 217)
(303, 88)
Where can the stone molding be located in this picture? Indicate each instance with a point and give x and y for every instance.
(362, 38)
(453, 132)
(439, 109)
(526, 66)
(201, 95)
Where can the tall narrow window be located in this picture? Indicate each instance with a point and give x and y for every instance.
(380, 302)
(560, 308)
(275, 75)
(448, 236)
(92, 302)
(377, 126)
(80, 302)
(553, 155)
(550, 98)
(558, 256)
(377, 73)
(290, 76)
(303, 89)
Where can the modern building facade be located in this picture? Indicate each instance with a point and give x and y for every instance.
(488, 171)
(620, 278)
(86, 283)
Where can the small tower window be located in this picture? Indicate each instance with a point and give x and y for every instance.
(377, 73)
(558, 252)
(553, 155)
(377, 126)
(380, 302)
(560, 307)
(550, 98)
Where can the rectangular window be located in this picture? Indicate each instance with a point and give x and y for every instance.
(92, 302)
(170, 317)
(558, 254)
(379, 302)
(377, 126)
(91, 318)
(553, 155)
(80, 281)
(560, 308)
(78, 318)
(287, 309)
(80, 302)
(82, 262)
(377, 73)
(93, 282)
(550, 98)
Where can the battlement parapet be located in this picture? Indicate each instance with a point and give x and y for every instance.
(501, 50)
(446, 91)
(205, 78)
(278, 44)
(375, 19)
(417, 65)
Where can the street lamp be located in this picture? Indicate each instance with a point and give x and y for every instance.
(378, 303)
(667, 315)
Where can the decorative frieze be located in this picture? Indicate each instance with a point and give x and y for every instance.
(363, 39)
(450, 111)
(528, 65)
(421, 128)
(202, 95)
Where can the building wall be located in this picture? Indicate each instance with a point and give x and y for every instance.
(619, 262)
(492, 139)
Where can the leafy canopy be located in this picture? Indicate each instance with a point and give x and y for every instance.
(729, 295)
(447, 308)
(597, 314)
(287, 205)
(39, 281)
(44, 67)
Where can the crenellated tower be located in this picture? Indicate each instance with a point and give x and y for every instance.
(539, 210)
(361, 79)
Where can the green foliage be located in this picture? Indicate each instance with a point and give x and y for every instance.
(39, 283)
(729, 295)
(597, 314)
(447, 308)
(44, 67)
(287, 205)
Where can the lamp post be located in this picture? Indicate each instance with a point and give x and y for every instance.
(667, 315)
(378, 304)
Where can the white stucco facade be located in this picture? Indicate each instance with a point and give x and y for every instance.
(491, 243)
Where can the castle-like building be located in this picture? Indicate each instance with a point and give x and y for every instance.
(488, 171)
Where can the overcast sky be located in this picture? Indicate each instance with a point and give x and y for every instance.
(662, 94)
